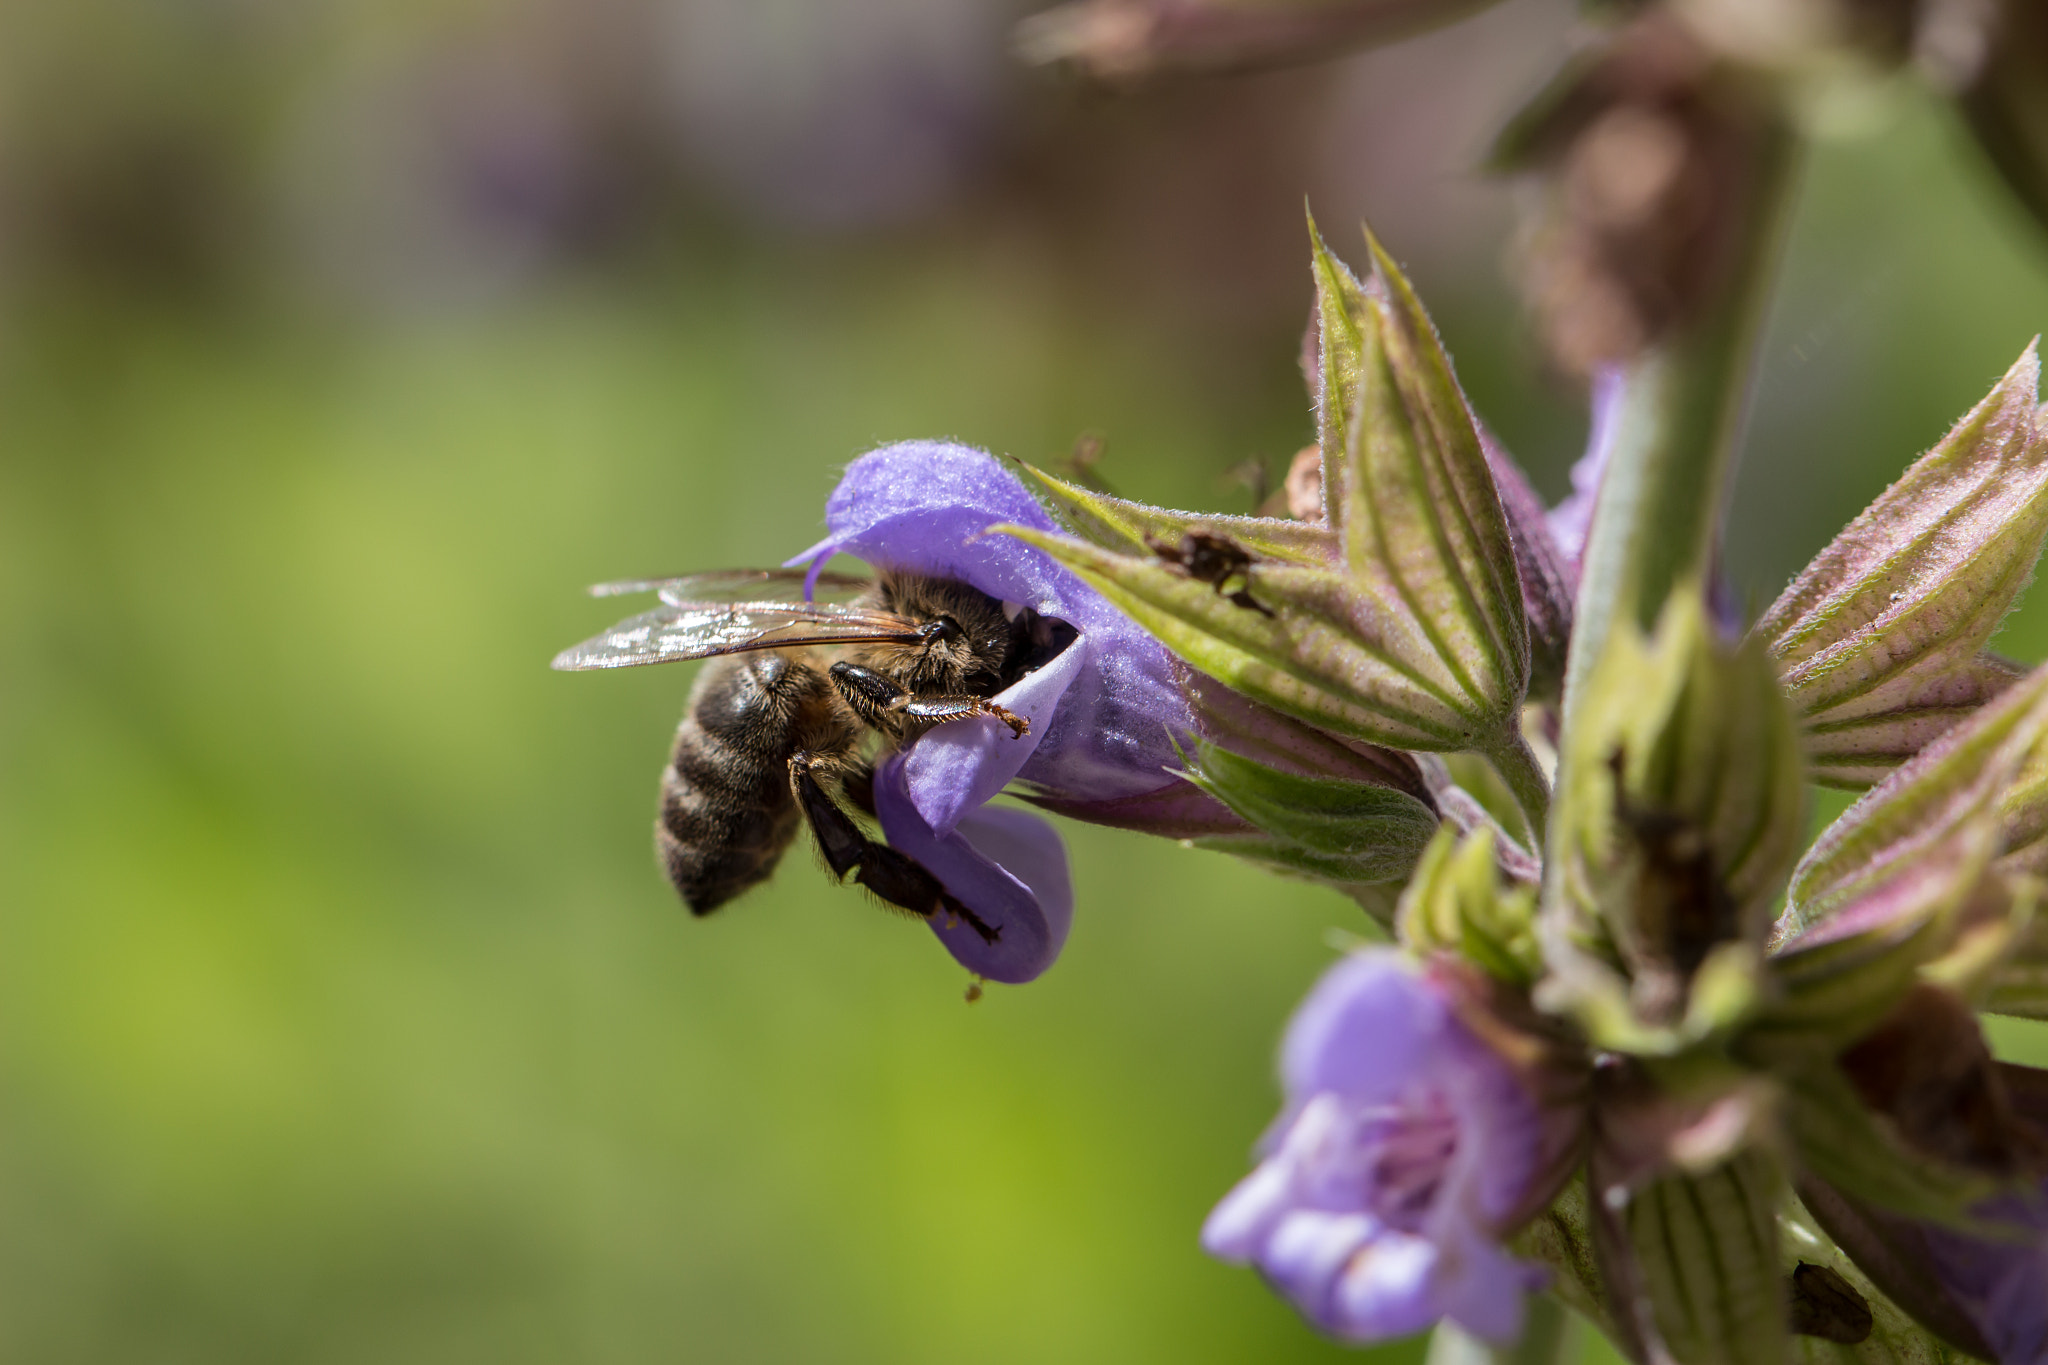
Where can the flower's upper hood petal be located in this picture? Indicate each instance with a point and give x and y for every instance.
(925, 506)
(1363, 1031)
(1008, 866)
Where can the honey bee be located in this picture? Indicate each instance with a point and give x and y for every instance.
(775, 734)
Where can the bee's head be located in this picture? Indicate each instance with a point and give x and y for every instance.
(965, 640)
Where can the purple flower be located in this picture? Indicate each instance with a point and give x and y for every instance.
(1102, 712)
(2001, 1286)
(1406, 1148)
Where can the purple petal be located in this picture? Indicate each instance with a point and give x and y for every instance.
(1363, 1031)
(1571, 519)
(1237, 1229)
(962, 765)
(1008, 866)
(1388, 1290)
(1483, 1288)
(925, 506)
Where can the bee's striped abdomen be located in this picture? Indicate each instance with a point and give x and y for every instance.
(726, 810)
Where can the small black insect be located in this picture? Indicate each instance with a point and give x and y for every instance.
(1821, 1303)
(1211, 557)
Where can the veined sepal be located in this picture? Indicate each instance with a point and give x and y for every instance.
(1692, 1261)
(1129, 527)
(1881, 636)
(1897, 887)
(1332, 828)
(1407, 486)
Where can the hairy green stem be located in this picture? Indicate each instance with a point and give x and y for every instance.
(1681, 409)
(1518, 766)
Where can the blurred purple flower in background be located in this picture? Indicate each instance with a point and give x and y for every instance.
(2000, 1284)
(1406, 1147)
(1103, 711)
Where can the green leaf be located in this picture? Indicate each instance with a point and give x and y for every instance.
(1880, 636)
(1355, 831)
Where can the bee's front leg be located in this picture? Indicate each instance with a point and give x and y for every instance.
(883, 702)
(894, 877)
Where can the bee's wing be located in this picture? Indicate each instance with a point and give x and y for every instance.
(700, 629)
(734, 585)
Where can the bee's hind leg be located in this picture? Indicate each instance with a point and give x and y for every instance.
(883, 702)
(896, 877)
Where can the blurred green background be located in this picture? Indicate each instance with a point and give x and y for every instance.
(343, 1013)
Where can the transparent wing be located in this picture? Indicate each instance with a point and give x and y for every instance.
(739, 585)
(700, 629)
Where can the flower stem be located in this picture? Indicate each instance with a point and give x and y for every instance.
(1519, 767)
(1547, 1339)
(1658, 516)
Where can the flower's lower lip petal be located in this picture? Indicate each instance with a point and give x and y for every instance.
(962, 765)
(985, 863)
(1306, 1253)
(1388, 1288)
(1236, 1230)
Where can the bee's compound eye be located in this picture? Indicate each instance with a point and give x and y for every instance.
(944, 628)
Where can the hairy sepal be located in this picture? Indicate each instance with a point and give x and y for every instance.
(1345, 831)
(1407, 486)
(1899, 882)
(1880, 637)
(1339, 651)
(1123, 526)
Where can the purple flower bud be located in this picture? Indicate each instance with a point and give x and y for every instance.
(1102, 713)
(1407, 1148)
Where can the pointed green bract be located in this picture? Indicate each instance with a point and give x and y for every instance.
(1406, 483)
(1681, 805)
(1121, 525)
(1880, 636)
